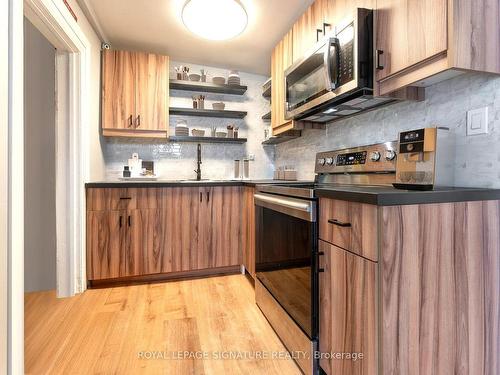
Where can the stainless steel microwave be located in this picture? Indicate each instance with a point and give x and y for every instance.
(335, 79)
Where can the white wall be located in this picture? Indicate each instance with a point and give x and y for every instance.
(95, 161)
(477, 157)
(178, 160)
(39, 162)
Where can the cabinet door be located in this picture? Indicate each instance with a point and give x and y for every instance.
(248, 220)
(106, 244)
(281, 59)
(148, 242)
(183, 232)
(347, 311)
(304, 30)
(118, 90)
(152, 94)
(225, 203)
(409, 32)
(336, 11)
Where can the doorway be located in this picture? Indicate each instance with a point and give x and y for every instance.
(39, 161)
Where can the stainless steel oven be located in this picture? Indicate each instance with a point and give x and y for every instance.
(286, 254)
(335, 79)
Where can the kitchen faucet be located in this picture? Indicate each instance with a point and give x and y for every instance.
(198, 170)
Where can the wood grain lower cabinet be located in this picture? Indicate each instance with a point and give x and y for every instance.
(163, 230)
(149, 242)
(107, 245)
(348, 313)
(440, 289)
(248, 225)
(350, 225)
(429, 306)
(221, 213)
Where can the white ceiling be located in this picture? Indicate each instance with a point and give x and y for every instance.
(156, 26)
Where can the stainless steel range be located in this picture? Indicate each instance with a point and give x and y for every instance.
(287, 241)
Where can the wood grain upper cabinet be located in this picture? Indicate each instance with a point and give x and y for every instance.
(409, 32)
(135, 94)
(336, 11)
(281, 59)
(118, 90)
(348, 318)
(423, 42)
(305, 30)
(152, 92)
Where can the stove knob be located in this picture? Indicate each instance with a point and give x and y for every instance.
(390, 155)
(375, 156)
(321, 161)
(329, 161)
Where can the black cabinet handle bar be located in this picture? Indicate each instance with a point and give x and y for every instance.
(339, 223)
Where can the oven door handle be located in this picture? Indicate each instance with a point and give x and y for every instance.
(299, 208)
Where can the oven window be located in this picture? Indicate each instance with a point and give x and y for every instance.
(284, 246)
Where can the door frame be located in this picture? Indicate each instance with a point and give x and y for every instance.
(72, 61)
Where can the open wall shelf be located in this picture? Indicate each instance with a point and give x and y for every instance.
(175, 138)
(207, 113)
(207, 87)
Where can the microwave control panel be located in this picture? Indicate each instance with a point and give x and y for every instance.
(346, 54)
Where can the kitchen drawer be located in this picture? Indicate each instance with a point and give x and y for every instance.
(350, 225)
(145, 198)
(104, 199)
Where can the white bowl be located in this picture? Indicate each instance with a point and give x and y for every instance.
(221, 134)
(219, 80)
(198, 133)
(194, 77)
(218, 106)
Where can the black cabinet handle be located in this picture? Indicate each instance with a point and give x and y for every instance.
(208, 197)
(317, 34)
(320, 253)
(125, 198)
(138, 121)
(201, 196)
(129, 221)
(130, 121)
(121, 221)
(339, 223)
(325, 25)
(378, 63)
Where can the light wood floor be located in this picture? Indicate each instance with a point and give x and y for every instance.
(113, 331)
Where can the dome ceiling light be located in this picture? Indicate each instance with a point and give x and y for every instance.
(215, 19)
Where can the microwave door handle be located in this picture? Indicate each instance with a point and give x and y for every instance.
(331, 82)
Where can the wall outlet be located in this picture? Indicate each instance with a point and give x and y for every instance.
(477, 121)
(251, 156)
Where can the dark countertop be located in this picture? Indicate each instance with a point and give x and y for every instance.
(185, 183)
(389, 196)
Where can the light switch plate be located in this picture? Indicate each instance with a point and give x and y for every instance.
(477, 121)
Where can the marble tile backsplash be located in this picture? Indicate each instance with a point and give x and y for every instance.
(477, 157)
(178, 160)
